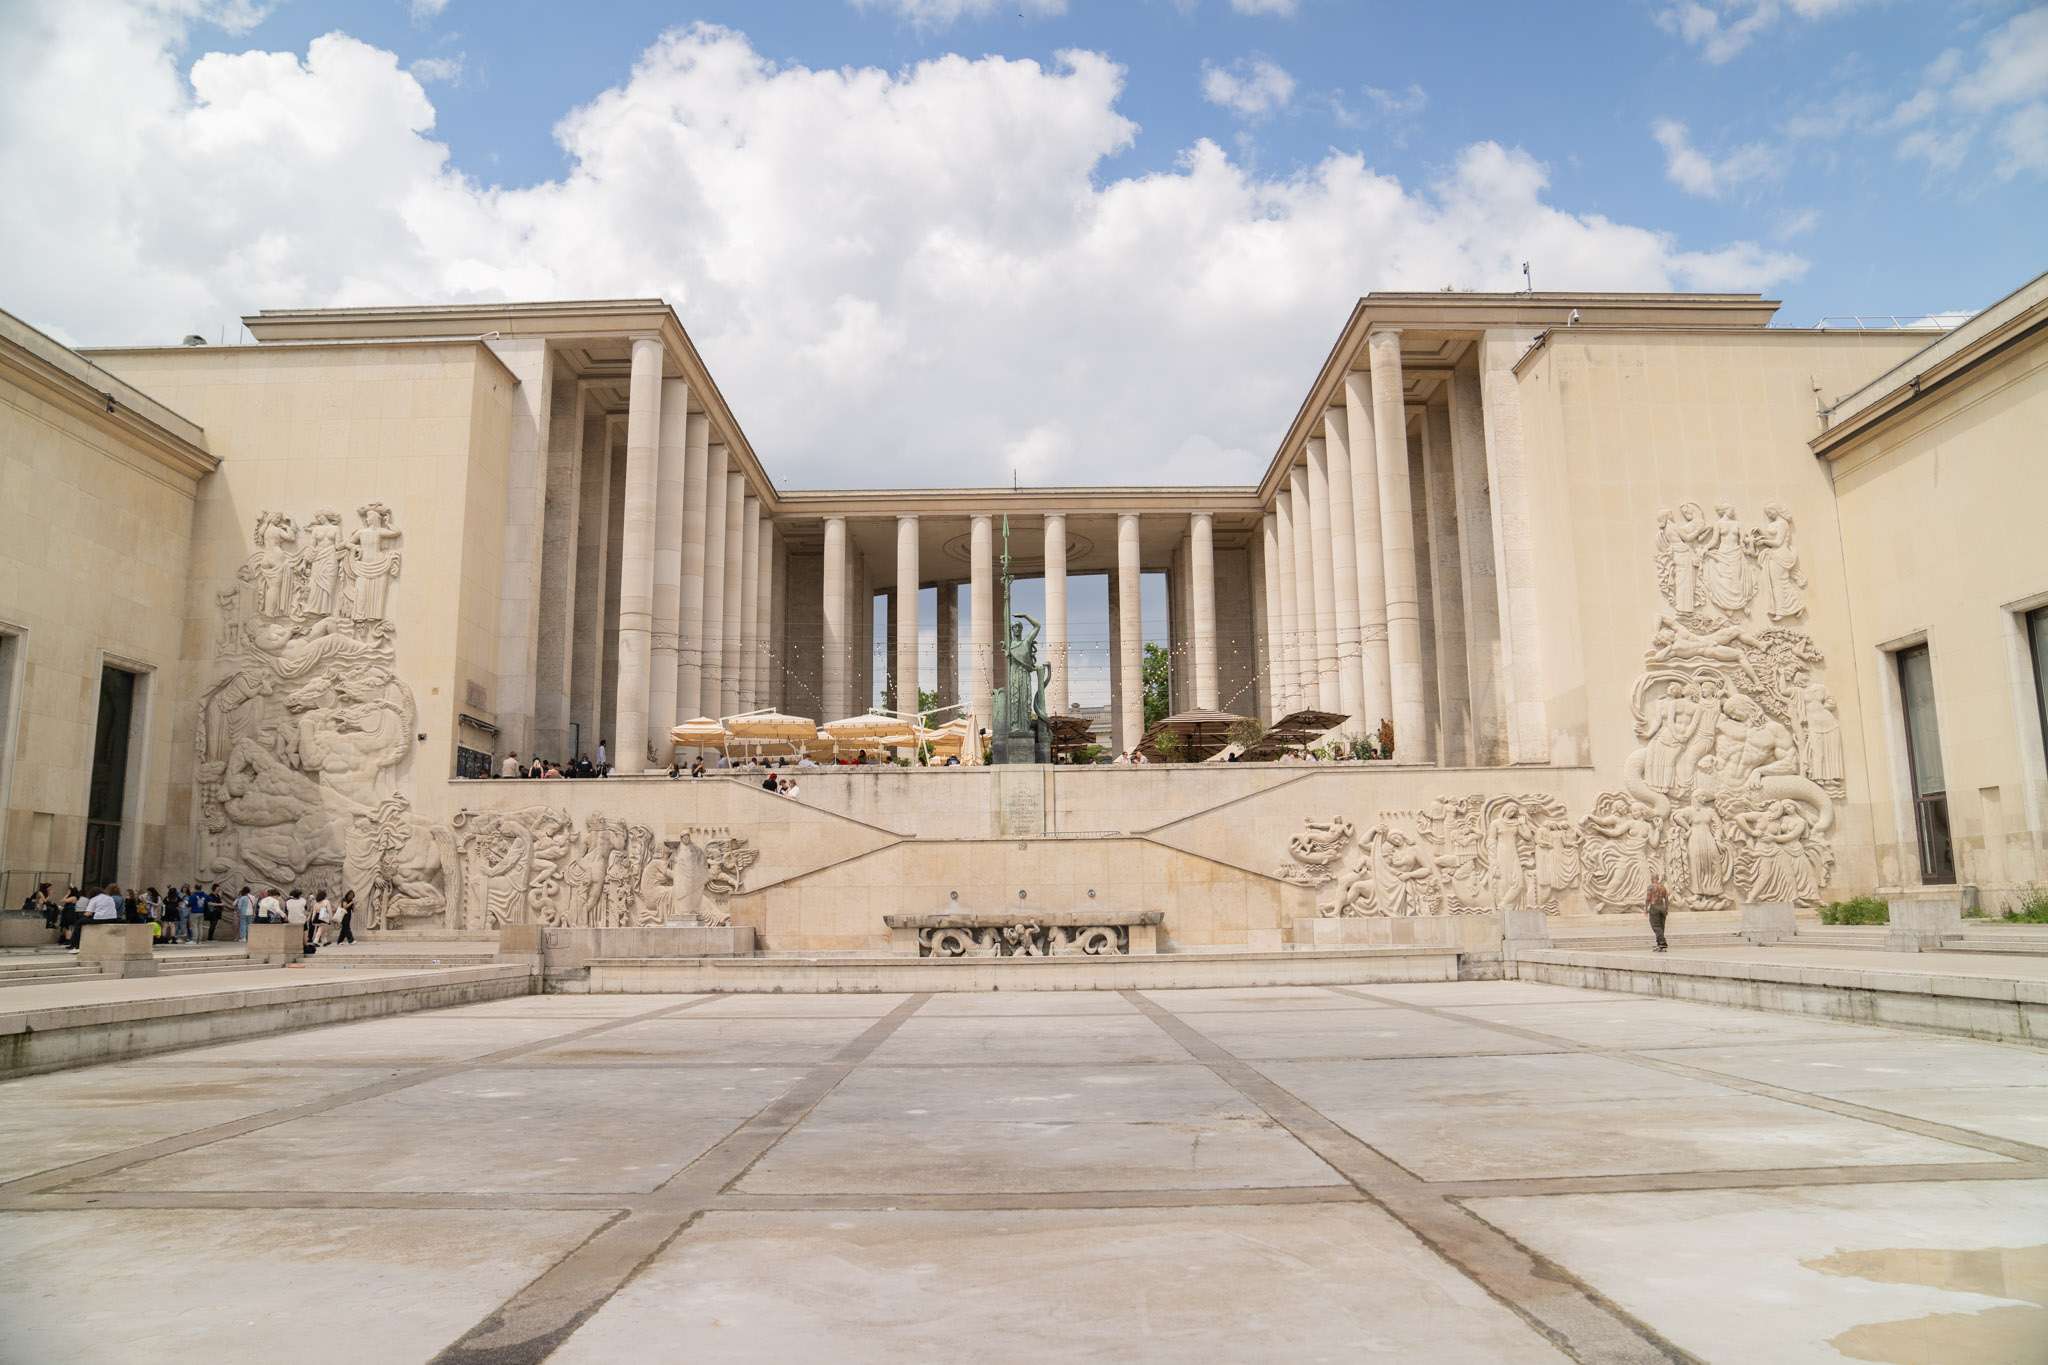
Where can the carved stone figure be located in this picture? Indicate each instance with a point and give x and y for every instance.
(1725, 570)
(1783, 865)
(1784, 581)
(1700, 867)
(1672, 722)
(1820, 740)
(704, 868)
(1315, 850)
(371, 565)
(1619, 852)
(320, 564)
(271, 569)
(394, 865)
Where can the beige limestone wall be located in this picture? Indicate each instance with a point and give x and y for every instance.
(1627, 424)
(422, 428)
(1942, 541)
(92, 572)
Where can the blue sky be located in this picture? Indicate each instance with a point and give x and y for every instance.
(1882, 232)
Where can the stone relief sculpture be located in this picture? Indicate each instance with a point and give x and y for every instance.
(1027, 938)
(1730, 794)
(305, 737)
(532, 866)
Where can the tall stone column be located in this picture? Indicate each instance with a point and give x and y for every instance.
(837, 640)
(1056, 652)
(1276, 648)
(670, 481)
(864, 624)
(906, 612)
(1322, 564)
(769, 673)
(614, 571)
(1305, 660)
(751, 644)
(561, 523)
(1287, 666)
(636, 570)
(890, 658)
(946, 635)
(1202, 572)
(1454, 695)
(531, 361)
(690, 583)
(716, 461)
(1131, 624)
(733, 669)
(1344, 570)
(587, 618)
(1362, 444)
(1397, 540)
(1481, 593)
(981, 608)
(1514, 541)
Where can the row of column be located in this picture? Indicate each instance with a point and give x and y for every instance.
(842, 652)
(1402, 587)
(698, 610)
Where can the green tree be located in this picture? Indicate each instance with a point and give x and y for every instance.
(927, 701)
(1155, 684)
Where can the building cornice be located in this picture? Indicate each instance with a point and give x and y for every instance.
(2020, 318)
(53, 371)
(863, 503)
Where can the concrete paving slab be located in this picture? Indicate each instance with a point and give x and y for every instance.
(1469, 993)
(315, 1287)
(565, 1006)
(531, 1130)
(953, 1156)
(1560, 1137)
(1093, 1040)
(1355, 1087)
(2016, 1112)
(408, 1040)
(1367, 1033)
(683, 1039)
(798, 1006)
(1906, 1272)
(1256, 999)
(1638, 1024)
(1323, 1282)
(55, 1120)
(1042, 1094)
(949, 1004)
(1876, 1062)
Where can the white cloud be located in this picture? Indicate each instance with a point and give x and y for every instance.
(426, 11)
(445, 70)
(1285, 9)
(933, 257)
(2004, 91)
(1797, 224)
(1250, 87)
(2024, 140)
(1398, 103)
(1709, 177)
(937, 14)
(1721, 29)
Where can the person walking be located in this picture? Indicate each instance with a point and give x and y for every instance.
(1658, 902)
(323, 916)
(348, 918)
(152, 912)
(212, 909)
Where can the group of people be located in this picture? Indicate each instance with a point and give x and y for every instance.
(324, 920)
(536, 766)
(176, 915)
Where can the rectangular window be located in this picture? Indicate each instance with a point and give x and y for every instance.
(1923, 750)
(107, 798)
(2037, 645)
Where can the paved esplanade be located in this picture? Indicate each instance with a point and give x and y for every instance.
(1462, 1172)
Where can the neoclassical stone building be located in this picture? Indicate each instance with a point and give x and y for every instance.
(1641, 583)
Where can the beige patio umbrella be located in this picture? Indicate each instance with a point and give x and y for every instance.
(872, 726)
(701, 733)
(764, 729)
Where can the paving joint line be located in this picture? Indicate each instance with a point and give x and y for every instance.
(1555, 1303)
(532, 1324)
(40, 1181)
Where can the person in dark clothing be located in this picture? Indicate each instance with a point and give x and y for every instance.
(1658, 902)
(348, 918)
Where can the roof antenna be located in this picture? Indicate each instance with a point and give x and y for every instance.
(1528, 285)
(1013, 478)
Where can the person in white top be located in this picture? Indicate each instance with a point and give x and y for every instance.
(323, 916)
(102, 908)
(510, 767)
(270, 909)
(788, 787)
(295, 908)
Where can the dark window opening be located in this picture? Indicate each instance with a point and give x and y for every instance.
(1923, 753)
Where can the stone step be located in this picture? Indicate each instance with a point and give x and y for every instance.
(47, 974)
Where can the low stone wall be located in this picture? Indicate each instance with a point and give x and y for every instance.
(2009, 1011)
(38, 1040)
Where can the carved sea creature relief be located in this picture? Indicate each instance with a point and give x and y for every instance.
(1314, 851)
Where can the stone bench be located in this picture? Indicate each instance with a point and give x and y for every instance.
(117, 949)
(1036, 933)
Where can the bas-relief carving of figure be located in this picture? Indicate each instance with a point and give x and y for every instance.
(493, 851)
(1731, 791)
(394, 865)
(372, 566)
(1619, 852)
(1725, 570)
(271, 568)
(1784, 581)
(320, 562)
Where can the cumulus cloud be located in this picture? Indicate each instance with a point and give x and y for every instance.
(426, 11)
(937, 14)
(1250, 87)
(1721, 29)
(1283, 8)
(445, 70)
(1695, 172)
(2004, 89)
(934, 258)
